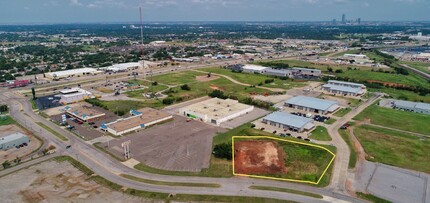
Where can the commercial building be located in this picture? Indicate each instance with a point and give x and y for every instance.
(312, 104)
(355, 56)
(344, 88)
(139, 119)
(122, 67)
(69, 96)
(253, 69)
(416, 107)
(422, 57)
(13, 140)
(71, 73)
(216, 111)
(84, 113)
(289, 122)
(278, 72)
(305, 73)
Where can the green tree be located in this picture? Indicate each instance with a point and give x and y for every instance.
(3, 108)
(223, 151)
(185, 87)
(6, 164)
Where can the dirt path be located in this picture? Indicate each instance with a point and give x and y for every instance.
(241, 83)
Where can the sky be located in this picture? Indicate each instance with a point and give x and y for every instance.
(105, 11)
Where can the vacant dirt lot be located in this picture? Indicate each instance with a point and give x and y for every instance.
(56, 182)
(204, 78)
(258, 157)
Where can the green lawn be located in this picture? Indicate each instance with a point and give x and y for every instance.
(394, 148)
(7, 121)
(298, 192)
(403, 94)
(177, 78)
(417, 65)
(408, 121)
(255, 79)
(330, 121)
(154, 182)
(320, 133)
(342, 112)
(372, 198)
(139, 93)
(353, 155)
(57, 134)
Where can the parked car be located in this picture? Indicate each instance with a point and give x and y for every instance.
(307, 139)
(91, 123)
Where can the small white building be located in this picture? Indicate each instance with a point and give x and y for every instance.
(254, 69)
(74, 95)
(355, 56)
(215, 110)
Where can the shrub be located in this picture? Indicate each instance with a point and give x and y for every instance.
(185, 87)
(223, 151)
(168, 100)
(218, 94)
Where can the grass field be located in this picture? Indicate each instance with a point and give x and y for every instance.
(403, 94)
(298, 192)
(7, 121)
(408, 121)
(320, 133)
(394, 148)
(355, 51)
(371, 198)
(177, 78)
(353, 155)
(322, 67)
(139, 93)
(154, 182)
(303, 162)
(417, 65)
(342, 112)
(57, 134)
(255, 79)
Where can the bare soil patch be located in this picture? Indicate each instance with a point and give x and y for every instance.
(205, 78)
(391, 84)
(259, 157)
(216, 88)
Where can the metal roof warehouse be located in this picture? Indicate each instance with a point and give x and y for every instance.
(289, 121)
(312, 104)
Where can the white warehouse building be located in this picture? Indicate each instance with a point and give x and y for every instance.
(216, 111)
(72, 73)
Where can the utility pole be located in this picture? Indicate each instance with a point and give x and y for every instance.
(126, 146)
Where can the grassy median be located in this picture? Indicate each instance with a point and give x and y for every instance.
(57, 134)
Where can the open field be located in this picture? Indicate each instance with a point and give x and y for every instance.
(425, 67)
(255, 79)
(322, 67)
(177, 78)
(303, 162)
(320, 133)
(342, 112)
(139, 93)
(408, 121)
(7, 121)
(403, 94)
(394, 148)
(354, 51)
(256, 187)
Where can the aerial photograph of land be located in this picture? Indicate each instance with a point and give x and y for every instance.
(215, 101)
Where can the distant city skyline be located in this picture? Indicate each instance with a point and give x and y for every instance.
(93, 11)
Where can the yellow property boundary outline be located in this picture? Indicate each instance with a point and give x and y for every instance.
(279, 139)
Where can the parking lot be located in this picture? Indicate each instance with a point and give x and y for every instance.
(178, 145)
(47, 102)
(251, 116)
(394, 184)
(86, 131)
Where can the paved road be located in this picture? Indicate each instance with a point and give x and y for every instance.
(110, 169)
(340, 170)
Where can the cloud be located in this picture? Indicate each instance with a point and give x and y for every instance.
(75, 3)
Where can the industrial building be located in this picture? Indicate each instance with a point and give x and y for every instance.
(69, 96)
(253, 69)
(278, 72)
(71, 73)
(13, 140)
(84, 113)
(122, 67)
(305, 73)
(416, 107)
(215, 110)
(344, 88)
(139, 119)
(312, 104)
(289, 122)
(355, 56)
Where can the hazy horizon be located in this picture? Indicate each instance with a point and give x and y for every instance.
(126, 11)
